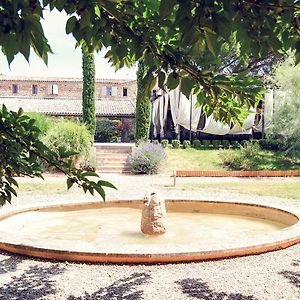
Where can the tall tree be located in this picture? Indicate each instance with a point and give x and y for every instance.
(88, 91)
(143, 107)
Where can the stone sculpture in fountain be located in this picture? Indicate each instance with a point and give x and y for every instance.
(154, 215)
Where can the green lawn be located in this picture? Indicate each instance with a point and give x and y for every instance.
(45, 188)
(191, 159)
(260, 188)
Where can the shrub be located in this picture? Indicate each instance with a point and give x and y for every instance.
(231, 159)
(88, 162)
(196, 144)
(107, 131)
(186, 144)
(147, 159)
(235, 144)
(73, 136)
(272, 144)
(164, 143)
(42, 122)
(216, 144)
(156, 142)
(245, 159)
(225, 144)
(206, 144)
(243, 142)
(175, 144)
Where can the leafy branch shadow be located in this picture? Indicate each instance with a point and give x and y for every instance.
(197, 288)
(123, 289)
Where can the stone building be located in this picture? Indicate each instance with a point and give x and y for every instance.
(61, 97)
(69, 88)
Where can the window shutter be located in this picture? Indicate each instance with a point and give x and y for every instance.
(104, 91)
(50, 89)
(114, 91)
(55, 89)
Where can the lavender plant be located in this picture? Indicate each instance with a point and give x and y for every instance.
(147, 159)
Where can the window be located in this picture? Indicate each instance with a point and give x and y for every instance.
(15, 89)
(34, 89)
(108, 91)
(53, 89)
(154, 93)
(125, 92)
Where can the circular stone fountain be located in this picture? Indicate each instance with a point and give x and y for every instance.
(110, 232)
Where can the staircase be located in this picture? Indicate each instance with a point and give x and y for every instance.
(113, 157)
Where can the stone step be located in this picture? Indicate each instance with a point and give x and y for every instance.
(112, 163)
(122, 151)
(109, 154)
(113, 170)
(111, 160)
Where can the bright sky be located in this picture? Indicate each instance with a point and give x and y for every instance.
(66, 60)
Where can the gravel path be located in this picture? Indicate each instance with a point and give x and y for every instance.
(271, 276)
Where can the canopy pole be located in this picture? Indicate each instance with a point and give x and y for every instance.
(191, 112)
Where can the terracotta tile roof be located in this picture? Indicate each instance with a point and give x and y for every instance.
(63, 107)
(62, 79)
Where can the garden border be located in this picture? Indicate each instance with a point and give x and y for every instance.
(262, 173)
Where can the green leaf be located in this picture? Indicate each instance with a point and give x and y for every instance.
(161, 79)
(106, 183)
(166, 7)
(85, 19)
(100, 191)
(70, 183)
(186, 85)
(71, 24)
(212, 44)
(173, 81)
(97, 11)
(86, 174)
(297, 58)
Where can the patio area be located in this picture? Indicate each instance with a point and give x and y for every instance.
(274, 275)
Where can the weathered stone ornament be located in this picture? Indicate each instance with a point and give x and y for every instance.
(153, 215)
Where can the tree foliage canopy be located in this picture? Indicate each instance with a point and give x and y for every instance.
(179, 40)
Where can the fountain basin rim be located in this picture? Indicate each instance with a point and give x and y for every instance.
(283, 239)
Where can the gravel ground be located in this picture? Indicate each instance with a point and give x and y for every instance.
(272, 276)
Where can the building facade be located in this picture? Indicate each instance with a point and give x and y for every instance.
(69, 88)
(61, 97)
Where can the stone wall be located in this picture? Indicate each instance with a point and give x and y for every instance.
(65, 88)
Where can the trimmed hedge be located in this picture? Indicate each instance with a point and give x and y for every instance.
(196, 144)
(175, 144)
(164, 143)
(186, 144)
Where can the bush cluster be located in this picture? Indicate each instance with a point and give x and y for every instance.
(108, 131)
(70, 135)
(42, 122)
(147, 159)
(272, 144)
(247, 158)
(67, 134)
